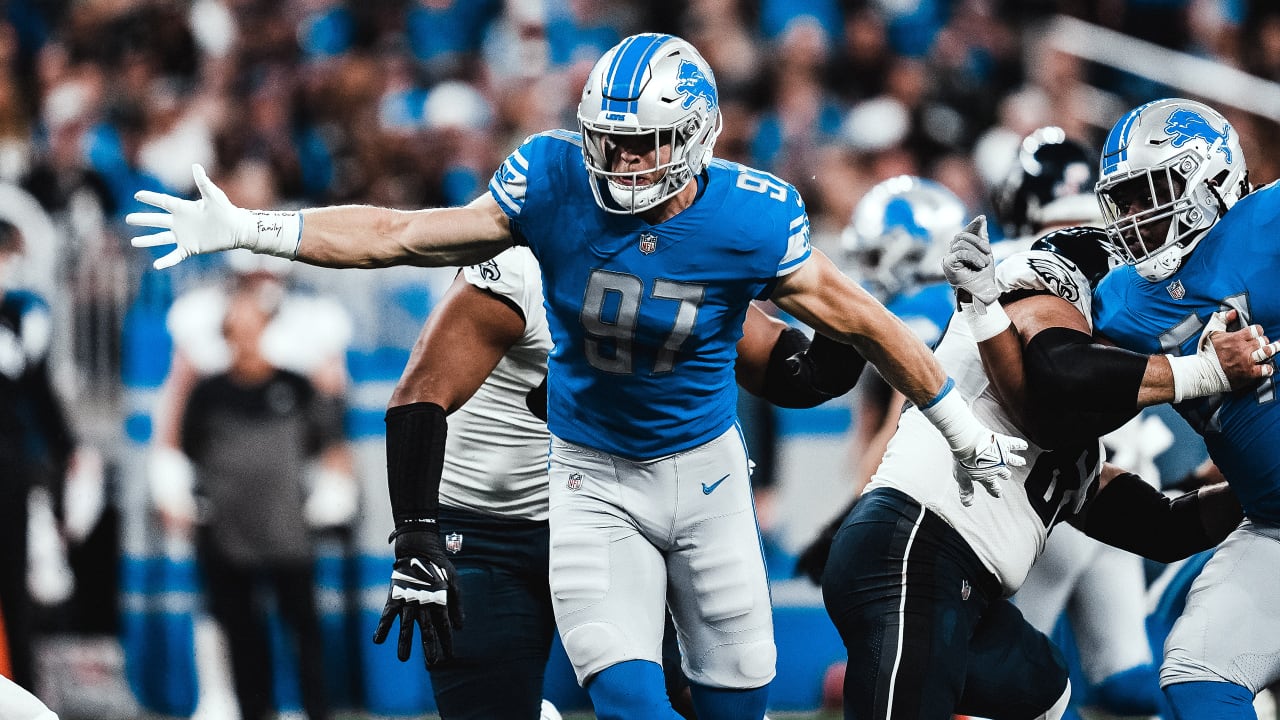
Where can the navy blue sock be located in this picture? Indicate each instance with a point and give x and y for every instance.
(631, 690)
(729, 704)
(1217, 700)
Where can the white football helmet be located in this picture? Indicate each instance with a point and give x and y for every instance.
(654, 88)
(899, 232)
(1170, 169)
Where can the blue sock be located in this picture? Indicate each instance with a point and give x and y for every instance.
(1135, 691)
(1217, 700)
(729, 704)
(631, 690)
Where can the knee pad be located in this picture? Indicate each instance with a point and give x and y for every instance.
(593, 646)
(735, 666)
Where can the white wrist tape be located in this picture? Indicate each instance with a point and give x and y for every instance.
(1197, 375)
(984, 323)
(271, 232)
(951, 415)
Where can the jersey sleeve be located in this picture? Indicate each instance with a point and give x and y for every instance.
(1048, 271)
(797, 250)
(516, 182)
(513, 275)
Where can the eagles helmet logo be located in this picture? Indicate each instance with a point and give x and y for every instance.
(1186, 125)
(1056, 277)
(692, 84)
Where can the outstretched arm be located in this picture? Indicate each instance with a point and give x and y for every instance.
(344, 236)
(820, 295)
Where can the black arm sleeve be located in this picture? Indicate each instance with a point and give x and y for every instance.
(415, 462)
(803, 373)
(1077, 388)
(1131, 515)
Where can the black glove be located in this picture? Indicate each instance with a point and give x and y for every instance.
(424, 589)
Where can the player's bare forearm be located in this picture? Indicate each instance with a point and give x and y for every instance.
(370, 237)
(826, 299)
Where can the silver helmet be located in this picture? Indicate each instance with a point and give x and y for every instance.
(899, 232)
(651, 88)
(1170, 169)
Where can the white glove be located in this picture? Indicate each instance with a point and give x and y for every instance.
(968, 263)
(49, 578)
(970, 267)
(981, 455)
(212, 224)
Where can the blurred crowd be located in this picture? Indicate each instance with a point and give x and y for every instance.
(414, 103)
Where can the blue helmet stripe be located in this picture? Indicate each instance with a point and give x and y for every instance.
(1116, 148)
(627, 70)
(605, 102)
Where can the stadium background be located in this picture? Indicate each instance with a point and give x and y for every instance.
(412, 104)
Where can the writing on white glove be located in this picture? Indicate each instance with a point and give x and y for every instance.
(981, 455)
(212, 224)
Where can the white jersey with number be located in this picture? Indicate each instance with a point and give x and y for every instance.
(496, 453)
(1008, 533)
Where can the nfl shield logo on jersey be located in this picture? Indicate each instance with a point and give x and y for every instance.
(453, 542)
(1176, 290)
(575, 482)
(648, 242)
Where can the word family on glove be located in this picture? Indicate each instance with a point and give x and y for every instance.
(212, 224)
(970, 269)
(424, 591)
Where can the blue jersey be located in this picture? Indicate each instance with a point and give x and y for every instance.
(926, 310)
(645, 319)
(1235, 266)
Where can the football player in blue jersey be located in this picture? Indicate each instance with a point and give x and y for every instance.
(651, 253)
(482, 358)
(918, 584)
(1196, 238)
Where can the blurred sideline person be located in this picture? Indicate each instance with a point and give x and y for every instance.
(482, 359)
(651, 252)
(1101, 588)
(249, 432)
(1196, 237)
(308, 334)
(37, 453)
(922, 578)
(894, 244)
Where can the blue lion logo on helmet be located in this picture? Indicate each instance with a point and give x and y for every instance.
(1185, 125)
(692, 84)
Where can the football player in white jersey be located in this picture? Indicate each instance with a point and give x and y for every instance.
(1050, 187)
(482, 358)
(651, 252)
(917, 582)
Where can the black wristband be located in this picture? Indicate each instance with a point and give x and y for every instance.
(415, 461)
